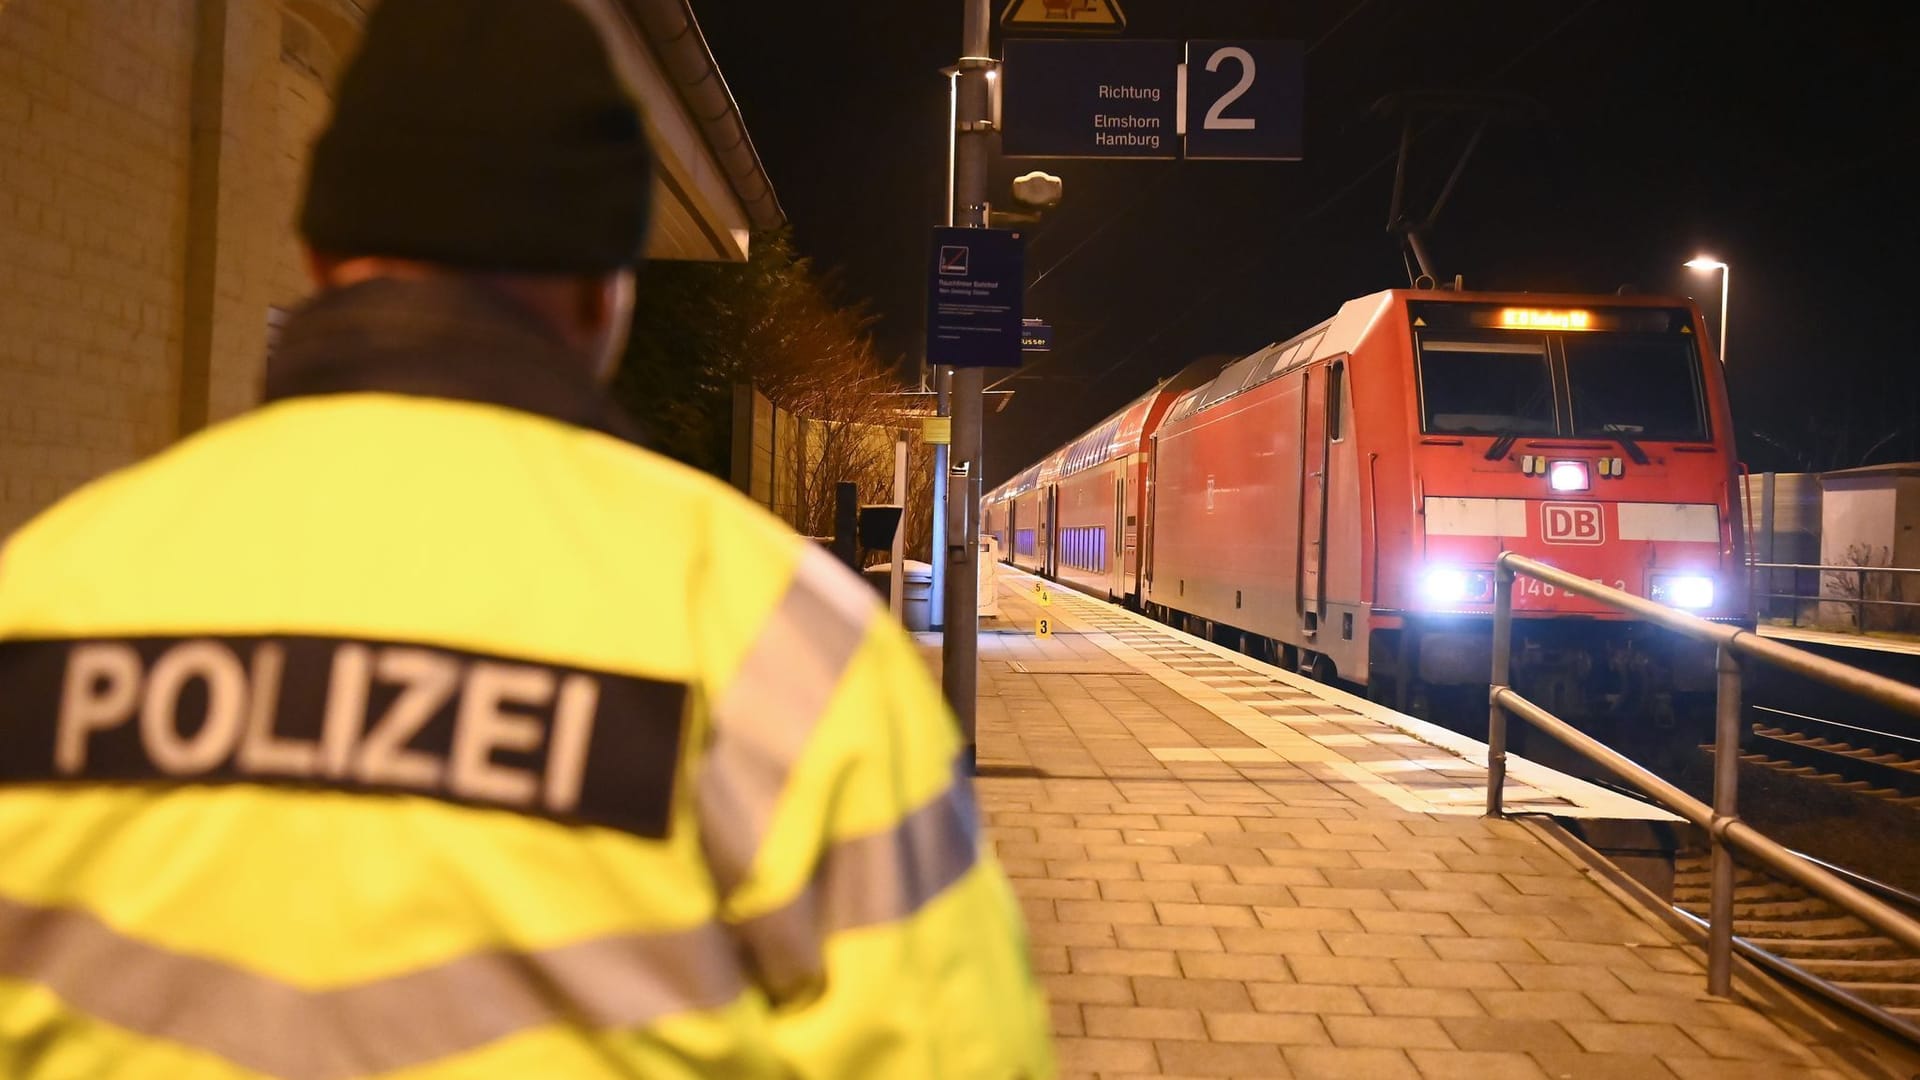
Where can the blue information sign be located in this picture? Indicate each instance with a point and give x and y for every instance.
(975, 282)
(1244, 100)
(1090, 99)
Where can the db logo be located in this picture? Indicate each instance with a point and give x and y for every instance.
(1572, 523)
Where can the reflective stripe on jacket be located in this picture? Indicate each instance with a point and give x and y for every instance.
(417, 721)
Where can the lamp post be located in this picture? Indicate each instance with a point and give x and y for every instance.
(1707, 262)
(973, 94)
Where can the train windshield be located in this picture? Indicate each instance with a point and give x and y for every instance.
(1487, 387)
(1640, 387)
(1488, 369)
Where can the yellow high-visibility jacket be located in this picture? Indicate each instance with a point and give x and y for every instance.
(416, 724)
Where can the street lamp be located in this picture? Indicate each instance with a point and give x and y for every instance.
(1707, 262)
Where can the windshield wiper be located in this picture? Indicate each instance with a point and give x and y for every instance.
(1503, 444)
(1632, 448)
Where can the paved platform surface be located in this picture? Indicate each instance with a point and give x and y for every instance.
(1229, 870)
(1874, 642)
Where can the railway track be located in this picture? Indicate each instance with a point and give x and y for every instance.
(1812, 934)
(1877, 763)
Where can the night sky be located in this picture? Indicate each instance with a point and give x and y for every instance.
(1778, 142)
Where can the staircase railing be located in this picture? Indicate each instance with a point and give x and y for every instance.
(1721, 821)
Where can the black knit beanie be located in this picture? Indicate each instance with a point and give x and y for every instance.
(486, 134)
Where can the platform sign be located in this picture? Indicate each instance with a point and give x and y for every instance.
(1090, 99)
(1229, 100)
(1245, 100)
(1072, 16)
(1036, 335)
(974, 287)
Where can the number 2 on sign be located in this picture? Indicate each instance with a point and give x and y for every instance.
(1044, 629)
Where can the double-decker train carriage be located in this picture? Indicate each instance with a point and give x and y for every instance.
(1092, 493)
(1335, 502)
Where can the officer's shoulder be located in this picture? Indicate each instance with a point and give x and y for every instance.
(121, 498)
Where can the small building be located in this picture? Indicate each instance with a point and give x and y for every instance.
(1870, 517)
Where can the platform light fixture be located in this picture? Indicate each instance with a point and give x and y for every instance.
(1705, 263)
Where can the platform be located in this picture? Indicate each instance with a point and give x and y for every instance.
(1230, 870)
(1875, 642)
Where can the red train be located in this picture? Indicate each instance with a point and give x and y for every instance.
(1335, 502)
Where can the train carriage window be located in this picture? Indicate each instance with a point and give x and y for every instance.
(1336, 391)
(1640, 386)
(1486, 387)
(1230, 381)
(1307, 349)
(1269, 359)
(1281, 359)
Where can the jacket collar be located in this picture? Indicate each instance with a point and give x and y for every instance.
(440, 338)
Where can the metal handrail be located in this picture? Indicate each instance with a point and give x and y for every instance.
(1721, 821)
(1837, 569)
(1788, 970)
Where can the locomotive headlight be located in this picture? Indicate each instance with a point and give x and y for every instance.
(1445, 586)
(1450, 585)
(1691, 592)
(1568, 476)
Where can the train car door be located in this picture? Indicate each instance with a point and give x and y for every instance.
(1145, 580)
(1313, 498)
(1117, 550)
(1051, 532)
(1010, 551)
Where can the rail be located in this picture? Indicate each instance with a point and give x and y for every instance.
(1721, 821)
(1850, 583)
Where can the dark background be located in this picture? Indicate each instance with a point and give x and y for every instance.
(1775, 137)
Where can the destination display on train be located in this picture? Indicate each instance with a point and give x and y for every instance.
(1459, 316)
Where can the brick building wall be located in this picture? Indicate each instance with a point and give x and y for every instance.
(95, 162)
(93, 151)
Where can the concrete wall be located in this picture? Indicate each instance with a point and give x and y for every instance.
(1795, 536)
(96, 167)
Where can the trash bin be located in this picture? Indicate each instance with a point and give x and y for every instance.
(989, 577)
(916, 586)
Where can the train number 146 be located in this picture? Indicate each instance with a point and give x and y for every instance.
(1527, 586)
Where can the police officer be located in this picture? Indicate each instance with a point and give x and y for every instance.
(419, 721)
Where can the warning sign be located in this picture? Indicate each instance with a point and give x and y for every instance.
(1090, 16)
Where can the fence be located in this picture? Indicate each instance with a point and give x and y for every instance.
(1814, 593)
(790, 464)
(1721, 821)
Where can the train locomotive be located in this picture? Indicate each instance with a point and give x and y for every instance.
(1334, 503)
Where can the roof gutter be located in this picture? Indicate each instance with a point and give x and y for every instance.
(671, 32)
